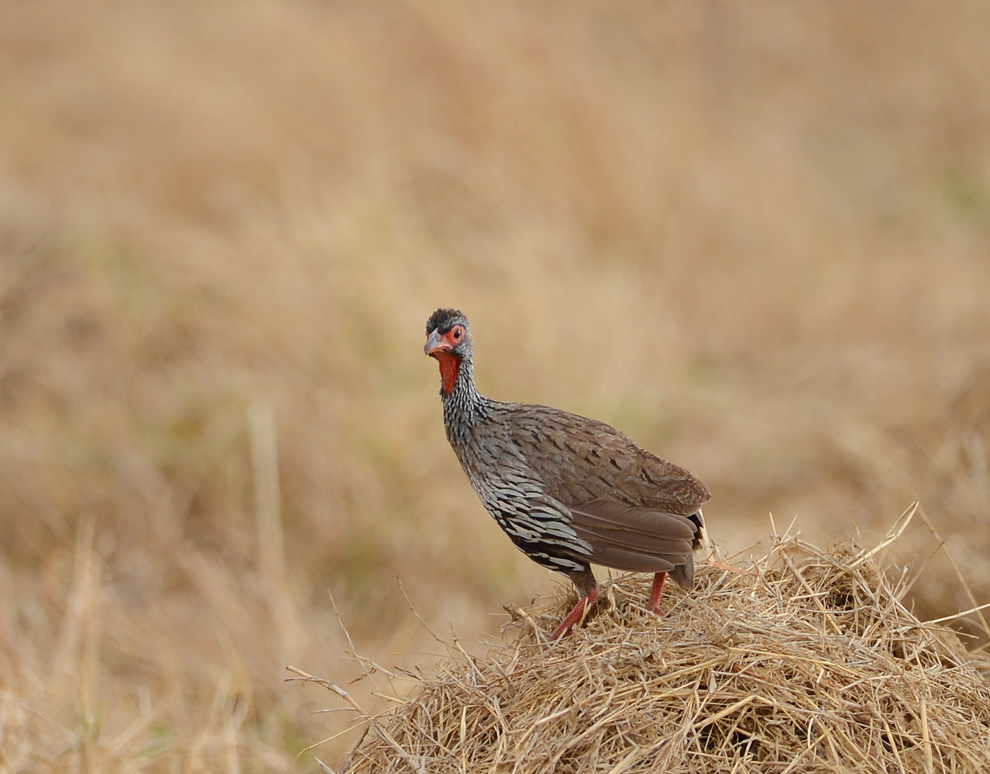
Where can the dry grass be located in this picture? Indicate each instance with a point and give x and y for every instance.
(754, 239)
(799, 660)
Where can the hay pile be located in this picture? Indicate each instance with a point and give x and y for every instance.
(801, 661)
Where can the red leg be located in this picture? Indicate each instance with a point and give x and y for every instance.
(654, 604)
(574, 617)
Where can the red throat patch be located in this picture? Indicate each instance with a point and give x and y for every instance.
(449, 367)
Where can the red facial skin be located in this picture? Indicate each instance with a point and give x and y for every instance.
(441, 347)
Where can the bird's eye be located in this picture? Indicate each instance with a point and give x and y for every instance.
(457, 334)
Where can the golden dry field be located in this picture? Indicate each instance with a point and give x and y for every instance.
(756, 239)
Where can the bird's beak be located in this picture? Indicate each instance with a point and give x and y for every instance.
(435, 344)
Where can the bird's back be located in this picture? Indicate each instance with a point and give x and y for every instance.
(580, 459)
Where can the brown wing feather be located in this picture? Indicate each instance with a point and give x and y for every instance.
(629, 538)
(631, 527)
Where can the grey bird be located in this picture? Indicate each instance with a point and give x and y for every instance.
(568, 491)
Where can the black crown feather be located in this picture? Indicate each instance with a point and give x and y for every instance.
(444, 319)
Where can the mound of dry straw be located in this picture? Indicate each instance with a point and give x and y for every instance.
(802, 660)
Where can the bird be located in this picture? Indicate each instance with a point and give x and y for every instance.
(567, 490)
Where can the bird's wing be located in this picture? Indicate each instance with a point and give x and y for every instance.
(627, 537)
(580, 460)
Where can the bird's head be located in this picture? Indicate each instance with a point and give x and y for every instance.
(448, 339)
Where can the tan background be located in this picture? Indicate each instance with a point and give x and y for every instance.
(758, 241)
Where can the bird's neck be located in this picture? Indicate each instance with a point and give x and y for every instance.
(463, 406)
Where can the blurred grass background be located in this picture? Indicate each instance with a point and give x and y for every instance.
(757, 240)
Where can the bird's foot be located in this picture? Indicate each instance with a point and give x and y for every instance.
(576, 615)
